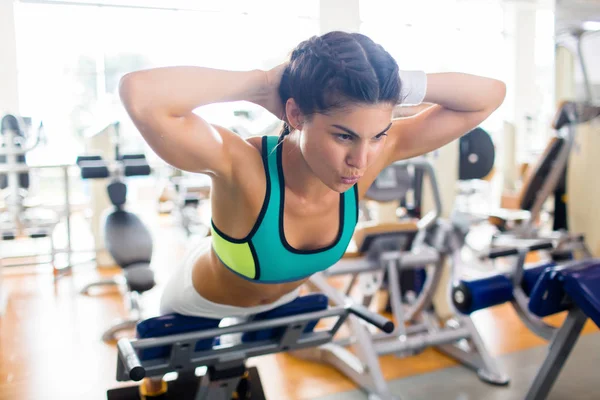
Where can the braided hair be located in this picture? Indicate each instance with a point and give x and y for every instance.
(337, 69)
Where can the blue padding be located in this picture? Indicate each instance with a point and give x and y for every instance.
(547, 296)
(420, 278)
(301, 305)
(582, 284)
(172, 324)
(531, 276)
(497, 289)
(484, 293)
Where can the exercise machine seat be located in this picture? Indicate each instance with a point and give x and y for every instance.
(365, 233)
(570, 112)
(130, 244)
(558, 288)
(139, 277)
(539, 174)
(533, 182)
(583, 286)
(172, 324)
(127, 239)
(551, 289)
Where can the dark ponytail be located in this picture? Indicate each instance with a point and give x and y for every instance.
(285, 130)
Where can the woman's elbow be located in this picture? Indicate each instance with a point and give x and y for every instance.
(129, 93)
(498, 92)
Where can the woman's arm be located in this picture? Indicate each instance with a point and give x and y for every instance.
(161, 102)
(461, 102)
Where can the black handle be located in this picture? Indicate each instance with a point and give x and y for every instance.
(513, 251)
(131, 361)
(379, 321)
(503, 253)
(541, 246)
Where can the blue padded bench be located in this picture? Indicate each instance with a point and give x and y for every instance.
(563, 287)
(178, 343)
(550, 289)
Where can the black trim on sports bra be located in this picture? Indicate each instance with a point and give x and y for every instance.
(263, 209)
(356, 200)
(281, 209)
(256, 263)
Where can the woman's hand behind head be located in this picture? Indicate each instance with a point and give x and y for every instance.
(270, 98)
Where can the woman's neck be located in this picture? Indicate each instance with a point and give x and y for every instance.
(299, 178)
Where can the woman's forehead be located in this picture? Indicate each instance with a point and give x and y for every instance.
(358, 117)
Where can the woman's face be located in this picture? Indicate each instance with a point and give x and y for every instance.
(340, 146)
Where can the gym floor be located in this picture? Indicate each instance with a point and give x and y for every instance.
(50, 345)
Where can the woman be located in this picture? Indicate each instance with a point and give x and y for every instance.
(285, 208)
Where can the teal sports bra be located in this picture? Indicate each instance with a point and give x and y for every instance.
(264, 255)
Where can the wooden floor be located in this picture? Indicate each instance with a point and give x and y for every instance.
(50, 345)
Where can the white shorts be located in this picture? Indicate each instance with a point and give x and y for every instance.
(181, 297)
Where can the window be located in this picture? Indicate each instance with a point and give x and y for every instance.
(464, 36)
(71, 57)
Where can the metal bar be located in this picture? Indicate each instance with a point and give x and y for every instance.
(245, 327)
(20, 167)
(350, 266)
(219, 355)
(559, 350)
(396, 297)
(421, 341)
(410, 330)
(420, 162)
(425, 298)
(67, 214)
(364, 347)
(489, 369)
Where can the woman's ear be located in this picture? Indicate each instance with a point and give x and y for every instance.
(293, 114)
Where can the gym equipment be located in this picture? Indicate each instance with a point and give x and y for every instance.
(19, 220)
(389, 250)
(547, 176)
(20, 217)
(477, 155)
(536, 292)
(127, 239)
(190, 193)
(475, 168)
(181, 344)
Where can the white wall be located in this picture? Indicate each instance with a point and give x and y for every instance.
(340, 15)
(9, 93)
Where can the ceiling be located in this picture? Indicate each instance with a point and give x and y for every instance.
(572, 13)
(569, 13)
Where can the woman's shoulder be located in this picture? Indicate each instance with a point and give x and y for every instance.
(256, 142)
(247, 162)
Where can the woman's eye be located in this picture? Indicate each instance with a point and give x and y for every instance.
(344, 137)
(380, 136)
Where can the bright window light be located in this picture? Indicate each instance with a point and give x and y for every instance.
(591, 25)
